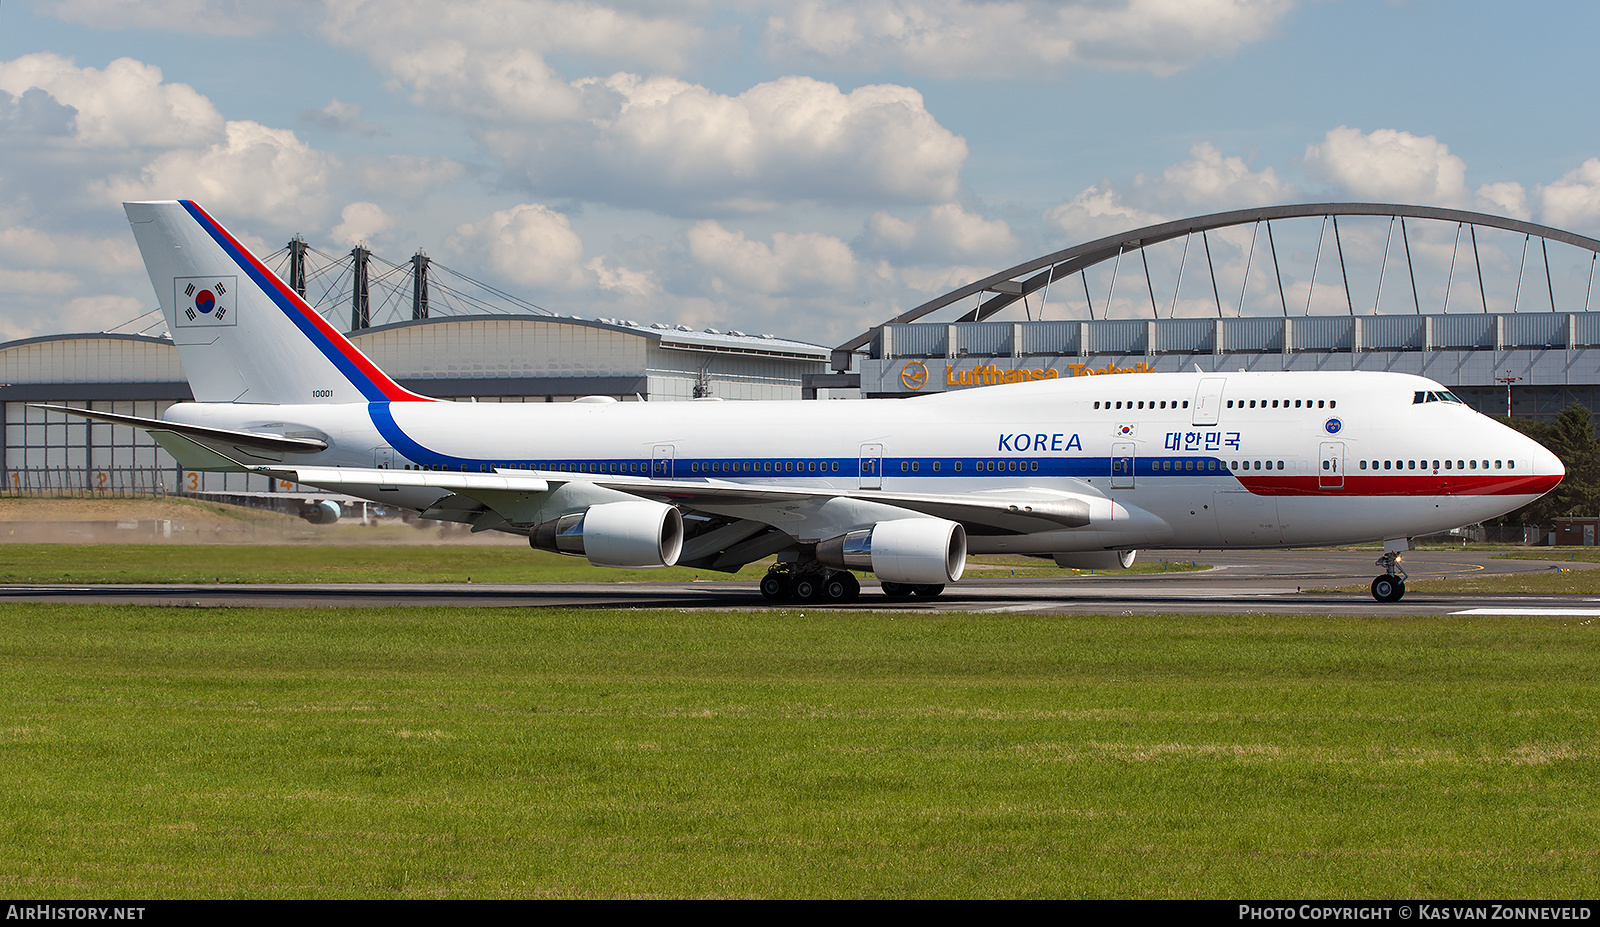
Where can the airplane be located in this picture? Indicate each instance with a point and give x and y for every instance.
(1083, 470)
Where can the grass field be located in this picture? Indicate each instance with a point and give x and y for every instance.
(420, 753)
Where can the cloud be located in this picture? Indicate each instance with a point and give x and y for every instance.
(1096, 213)
(339, 116)
(961, 38)
(946, 232)
(1211, 179)
(404, 175)
(653, 142)
(529, 244)
(125, 105)
(361, 222)
(1574, 200)
(803, 263)
(36, 114)
(1505, 199)
(256, 172)
(1390, 166)
(682, 148)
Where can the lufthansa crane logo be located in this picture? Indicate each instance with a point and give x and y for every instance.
(914, 375)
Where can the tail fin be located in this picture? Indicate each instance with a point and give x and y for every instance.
(242, 334)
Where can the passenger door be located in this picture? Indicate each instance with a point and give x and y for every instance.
(1331, 474)
(1122, 461)
(871, 467)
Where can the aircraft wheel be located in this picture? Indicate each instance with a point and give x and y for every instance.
(808, 589)
(837, 588)
(930, 590)
(897, 590)
(775, 586)
(1388, 588)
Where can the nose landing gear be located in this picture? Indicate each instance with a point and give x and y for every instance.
(1391, 586)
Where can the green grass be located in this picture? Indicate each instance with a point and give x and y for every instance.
(310, 563)
(406, 753)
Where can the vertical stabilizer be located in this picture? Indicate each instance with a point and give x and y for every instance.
(242, 334)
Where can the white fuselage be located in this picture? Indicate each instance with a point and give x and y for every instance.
(1188, 459)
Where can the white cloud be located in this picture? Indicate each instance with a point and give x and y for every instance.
(668, 144)
(947, 232)
(529, 244)
(1574, 200)
(403, 175)
(793, 264)
(655, 142)
(622, 281)
(1390, 166)
(125, 105)
(960, 38)
(1505, 199)
(257, 172)
(361, 222)
(1211, 179)
(1096, 213)
(40, 248)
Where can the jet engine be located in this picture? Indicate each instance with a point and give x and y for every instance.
(1096, 559)
(324, 512)
(908, 550)
(616, 534)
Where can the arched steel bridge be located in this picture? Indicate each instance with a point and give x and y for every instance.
(1009, 286)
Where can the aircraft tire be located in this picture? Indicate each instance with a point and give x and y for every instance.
(1388, 589)
(898, 590)
(930, 590)
(808, 589)
(775, 587)
(838, 588)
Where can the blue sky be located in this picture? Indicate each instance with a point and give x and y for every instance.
(806, 169)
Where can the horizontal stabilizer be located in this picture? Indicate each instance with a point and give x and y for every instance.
(201, 433)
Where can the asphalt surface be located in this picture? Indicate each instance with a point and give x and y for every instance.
(1266, 582)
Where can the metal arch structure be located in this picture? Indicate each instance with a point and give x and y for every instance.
(1041, 271)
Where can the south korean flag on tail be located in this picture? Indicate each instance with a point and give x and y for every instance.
(206, 301)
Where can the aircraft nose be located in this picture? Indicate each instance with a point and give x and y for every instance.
(1548, 464)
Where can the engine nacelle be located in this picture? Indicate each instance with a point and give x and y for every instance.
(616, 534)
(324, 512)
(907, 550)
(1096, 559)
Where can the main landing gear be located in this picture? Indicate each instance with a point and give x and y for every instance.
(1392, 584)
(813, 582)
(810, 583)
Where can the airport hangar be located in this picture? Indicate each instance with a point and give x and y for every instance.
(1545, 359)
(1541, 351)
(484, 358)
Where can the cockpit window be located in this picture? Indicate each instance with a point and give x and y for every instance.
(1421, 396)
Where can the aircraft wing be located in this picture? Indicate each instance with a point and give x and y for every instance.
(797, 510)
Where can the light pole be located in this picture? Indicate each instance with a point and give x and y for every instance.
(1508, 379)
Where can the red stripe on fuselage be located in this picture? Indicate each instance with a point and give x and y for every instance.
(391, 390)
(1421, 484)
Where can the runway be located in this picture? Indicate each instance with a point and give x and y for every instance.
(1262, 582)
